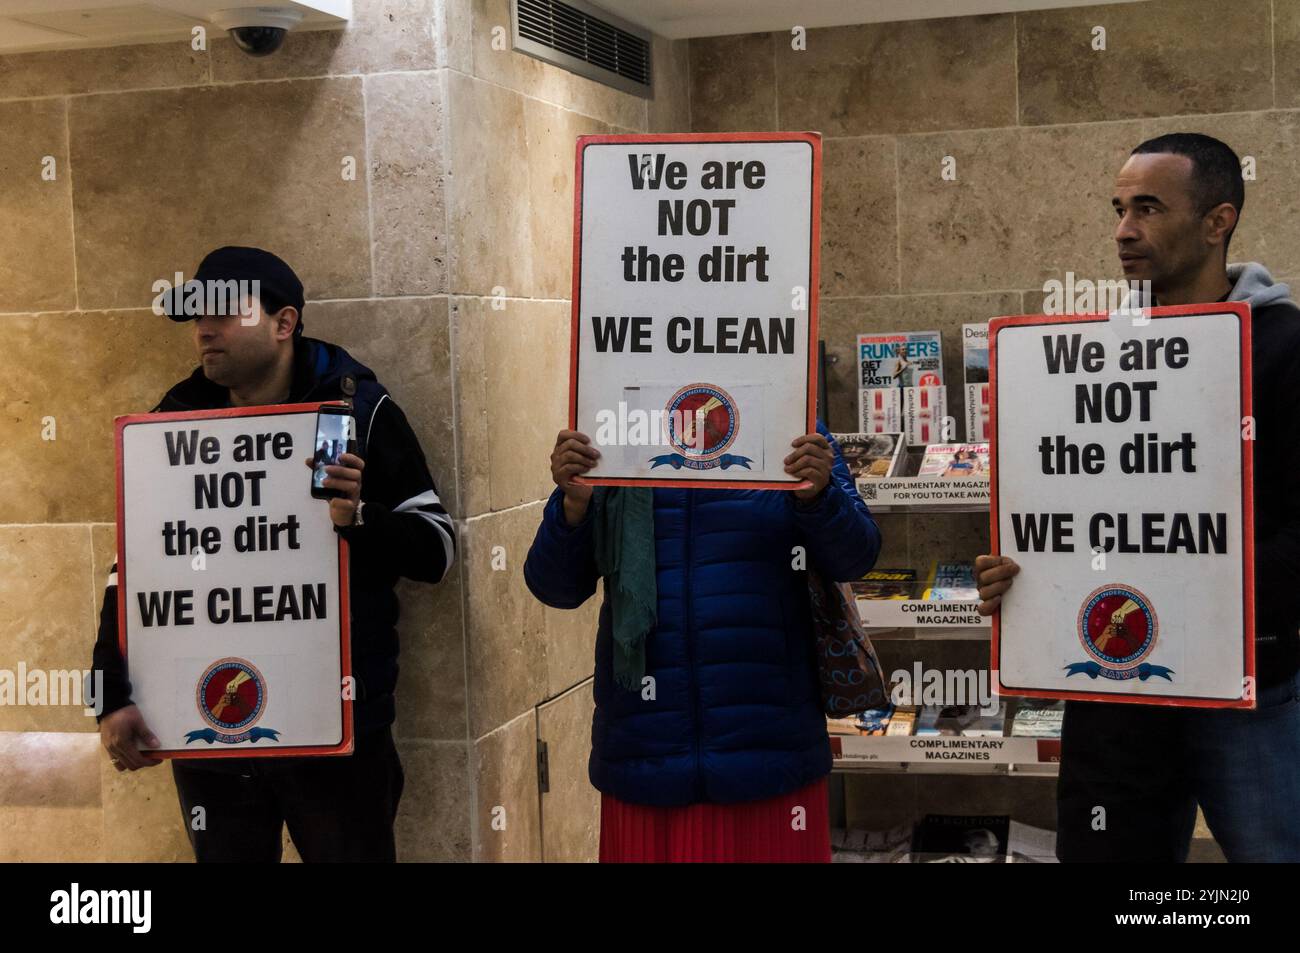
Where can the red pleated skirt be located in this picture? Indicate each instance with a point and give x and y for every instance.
(767, 831)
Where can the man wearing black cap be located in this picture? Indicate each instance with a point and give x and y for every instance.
(247, 309)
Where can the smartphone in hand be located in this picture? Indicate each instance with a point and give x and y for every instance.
(336, 430)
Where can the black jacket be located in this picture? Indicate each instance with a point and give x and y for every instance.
(407, 531)
(1275, 353)
(1275, 397)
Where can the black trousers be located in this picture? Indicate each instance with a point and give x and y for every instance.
(1132, 777)
(339, 809)
(1123, 794)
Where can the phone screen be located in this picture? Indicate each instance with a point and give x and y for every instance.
(331, 443)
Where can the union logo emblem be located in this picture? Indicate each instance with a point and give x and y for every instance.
(1118, 629)
(231, 698)
(702, 422)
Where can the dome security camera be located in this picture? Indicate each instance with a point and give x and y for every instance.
(258, 31)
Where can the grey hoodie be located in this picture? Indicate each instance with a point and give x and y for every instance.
(1251, 282)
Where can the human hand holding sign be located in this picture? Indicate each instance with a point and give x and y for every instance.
(346, 476)
(573, 456)
(811, 460)
(994, 575)
(121, 734)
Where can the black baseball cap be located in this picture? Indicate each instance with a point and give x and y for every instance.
(279, 287)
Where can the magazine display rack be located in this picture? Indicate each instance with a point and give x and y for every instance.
(896, 618)
(898, 469)
(910, 609)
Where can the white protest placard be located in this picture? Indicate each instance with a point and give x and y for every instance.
(232, 585)
(1121, 484)
(695, 305)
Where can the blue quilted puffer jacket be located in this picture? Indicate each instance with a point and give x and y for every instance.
(737, 709)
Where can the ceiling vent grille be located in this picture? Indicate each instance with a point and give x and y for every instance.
(584, 39)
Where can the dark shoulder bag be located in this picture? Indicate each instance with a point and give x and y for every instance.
(851, 678)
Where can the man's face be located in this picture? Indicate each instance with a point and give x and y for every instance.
(1161, 234)
(237, 349)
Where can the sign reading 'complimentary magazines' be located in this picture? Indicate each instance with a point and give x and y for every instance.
(694, 305)
(1122, 487)
(232, 585)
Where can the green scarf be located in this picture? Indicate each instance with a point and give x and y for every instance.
(624, 542)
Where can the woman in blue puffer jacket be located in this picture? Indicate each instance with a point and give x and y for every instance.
(708, 739)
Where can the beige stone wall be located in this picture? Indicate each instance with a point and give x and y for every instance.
(513, 122)
(1039, 123)
(463, 191)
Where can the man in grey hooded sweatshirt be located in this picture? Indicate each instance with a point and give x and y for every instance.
(1131, 775)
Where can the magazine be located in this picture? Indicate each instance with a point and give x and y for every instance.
(948, 720)
(970, 721)
(903, 721)
(1030, 845)
(975, 368)
(885, 584)
(961, 839)
(951, 581)
(871, 847)
(987, 726)
(955, 461)
(842, 726)
(870, 456)
(1038, 719)
(875, 721)
(900, 384)
(947, 839)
